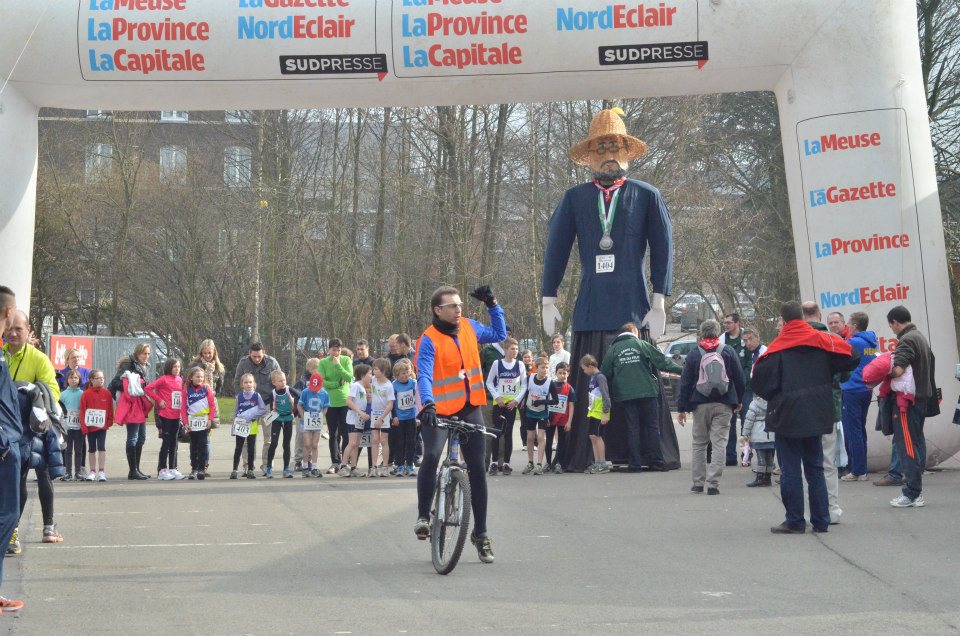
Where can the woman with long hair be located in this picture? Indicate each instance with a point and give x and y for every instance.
(132, 405)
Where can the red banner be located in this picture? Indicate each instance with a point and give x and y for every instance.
(60, 344)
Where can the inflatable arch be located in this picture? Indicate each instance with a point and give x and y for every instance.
(862, 186)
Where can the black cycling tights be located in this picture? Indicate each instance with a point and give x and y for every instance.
(287, 428)
(44, 490)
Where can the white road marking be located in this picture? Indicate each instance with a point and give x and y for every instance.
(151, 545)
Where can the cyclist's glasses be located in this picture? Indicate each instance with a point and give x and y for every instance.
(460, 305)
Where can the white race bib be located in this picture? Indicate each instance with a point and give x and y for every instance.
(241, 427)
(605, 263)
(509, 387)
(561, 406)
(198, 422)
(95, 418)
(73, 420)
(366, 439)
(406, 400)
(269, 418)
(176, 400)
(312, 421)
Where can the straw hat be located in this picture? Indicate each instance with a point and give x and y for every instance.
(608, 123)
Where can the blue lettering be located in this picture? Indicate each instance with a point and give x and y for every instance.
(99, 32)
(106, 62)
(823, 249)
(818, 197)
(101, 5)
(251, 4)
(415, 3)
(811, 147)
(418, 28)
(418, 59)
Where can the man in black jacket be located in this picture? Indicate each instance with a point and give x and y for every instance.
(795, 376)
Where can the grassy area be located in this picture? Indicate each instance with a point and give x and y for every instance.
(226, 408)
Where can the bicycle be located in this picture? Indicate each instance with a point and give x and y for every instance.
(450, 516)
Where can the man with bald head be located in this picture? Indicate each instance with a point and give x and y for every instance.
(10, 431)
(26, 363)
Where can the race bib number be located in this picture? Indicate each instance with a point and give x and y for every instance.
(509, 387)
(73, 420)
(198, 422)
(312, 421)
(269, 418)
(561, 406)
(95, 418)
(241, 427)
(605, 263)
(406, 400)
(176, 400)
(366, 439)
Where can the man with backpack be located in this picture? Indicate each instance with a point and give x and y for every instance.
(711, 386)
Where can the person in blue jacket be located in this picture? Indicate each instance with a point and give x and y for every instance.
(615, 220)
(856, 396)
(11, 429)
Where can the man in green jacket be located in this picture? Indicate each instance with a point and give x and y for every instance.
(337, 372)
(631, 365)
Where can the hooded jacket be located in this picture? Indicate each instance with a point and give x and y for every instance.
(864, 344)
(689, 398)
(38, 450)
(631, 366)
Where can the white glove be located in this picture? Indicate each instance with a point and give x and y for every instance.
(655, 320)
(551, 315)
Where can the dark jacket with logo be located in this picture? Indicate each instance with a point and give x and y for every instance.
(632, 364)
(798, 386)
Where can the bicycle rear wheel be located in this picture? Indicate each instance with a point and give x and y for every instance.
(451, 519)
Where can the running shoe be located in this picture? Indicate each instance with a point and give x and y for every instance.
(233, 474)
(201, 475)
(101, 476)
(8, 605)
(385, 472)
(333, 469)
(557, 469)
(315, 472)
(411, 471)
(251, 474)
(193, 475)
(287, 473)
(506, 469)
(268, 472)
(165, 475)
(298, 466)
(422, 528)
(14, 548)
(306, 473)
(906, 502)
(176, 474)
(592, 469)
(66, 478)
(484, 547)
(604, 467)
(529, 469)
(355, 472)
(50, 535)
(394, 472)
(538, 470)
(344, 471)
(494, 469)
(91, 476)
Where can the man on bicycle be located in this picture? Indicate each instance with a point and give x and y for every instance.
(451, 384)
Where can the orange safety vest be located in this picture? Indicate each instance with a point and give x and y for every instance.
(451, 365)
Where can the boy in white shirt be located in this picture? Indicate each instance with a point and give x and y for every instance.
(507, 383)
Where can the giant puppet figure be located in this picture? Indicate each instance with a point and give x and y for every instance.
(614, 220)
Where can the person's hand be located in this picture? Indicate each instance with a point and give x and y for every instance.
(364, 417)
(566, 427)
(428, 415)
(604, 419)
(551, 315)
(484, 295)
(395, 422)
(737, 408)
(681, 418)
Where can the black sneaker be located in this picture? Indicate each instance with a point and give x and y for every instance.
(298, 466)
(494, 469)
(484, 547)
(422, 528)
(696, 489)
(713, 491)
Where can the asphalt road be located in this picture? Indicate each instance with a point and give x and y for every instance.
(575, 554)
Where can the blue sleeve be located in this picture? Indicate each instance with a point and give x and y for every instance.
(425, 357)
(560, 235)
(572, 397)
(660, 238)
(496, 332)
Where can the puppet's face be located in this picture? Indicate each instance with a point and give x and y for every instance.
(608, 155)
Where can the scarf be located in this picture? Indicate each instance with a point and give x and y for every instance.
(709, 344)
(446, 328)
(798, 333)
(608, 192)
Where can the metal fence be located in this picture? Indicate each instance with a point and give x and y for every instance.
(107, 350)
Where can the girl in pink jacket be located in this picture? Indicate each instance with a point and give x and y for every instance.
(167, 393)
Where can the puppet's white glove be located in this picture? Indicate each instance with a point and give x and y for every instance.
(551, 315)
(655, 320)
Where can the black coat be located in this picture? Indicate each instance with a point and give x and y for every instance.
(798, 386)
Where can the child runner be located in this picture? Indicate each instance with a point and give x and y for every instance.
(337, 372)
(70, 396)
(540, 396)
(531, 366)
(314, 402)
(250, 408)
(561, 415)
(507, 383)
(309, 368)
(356, 417)
(405, 416)
(381, 407)
(598, 415)
(197, 414)
(96, 416)
(167, 393)
(283, 400)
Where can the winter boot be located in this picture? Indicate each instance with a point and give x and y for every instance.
(760, 479)
(131, 458)
(136, 463)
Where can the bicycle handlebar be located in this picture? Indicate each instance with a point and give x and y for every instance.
(452, 423)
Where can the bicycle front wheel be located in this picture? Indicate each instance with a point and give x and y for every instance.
(451, 519)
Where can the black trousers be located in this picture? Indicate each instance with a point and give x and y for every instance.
(642, 420)
(337, 429)
(198, 449)
(287, 428)
(251, 442)
(504, 420)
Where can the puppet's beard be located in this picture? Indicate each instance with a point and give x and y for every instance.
(610, 171)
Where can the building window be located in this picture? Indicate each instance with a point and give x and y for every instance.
(237, 116)
(237, 167)
(99, 114)
(173, 165)
(99, 162)
(174, 115)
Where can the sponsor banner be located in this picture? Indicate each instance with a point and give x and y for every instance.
(60, 344)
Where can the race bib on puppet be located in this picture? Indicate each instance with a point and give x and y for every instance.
(241, 427)
(559, 407)
(73, 420)
(95, 418)
(312, 421)
(176, 400)
(605, 263)
(198, 422)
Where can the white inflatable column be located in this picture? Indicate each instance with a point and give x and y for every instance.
(18, 192)
(866, 218)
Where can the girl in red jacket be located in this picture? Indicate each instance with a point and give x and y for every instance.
(96, 416)
(167, 393)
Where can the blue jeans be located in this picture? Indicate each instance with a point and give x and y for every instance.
(9, 497)
(806, 454)
(854, 417)
(912, 467)
(136, 435)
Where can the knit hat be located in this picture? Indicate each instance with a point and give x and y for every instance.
(316, 382)
(608, 123)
